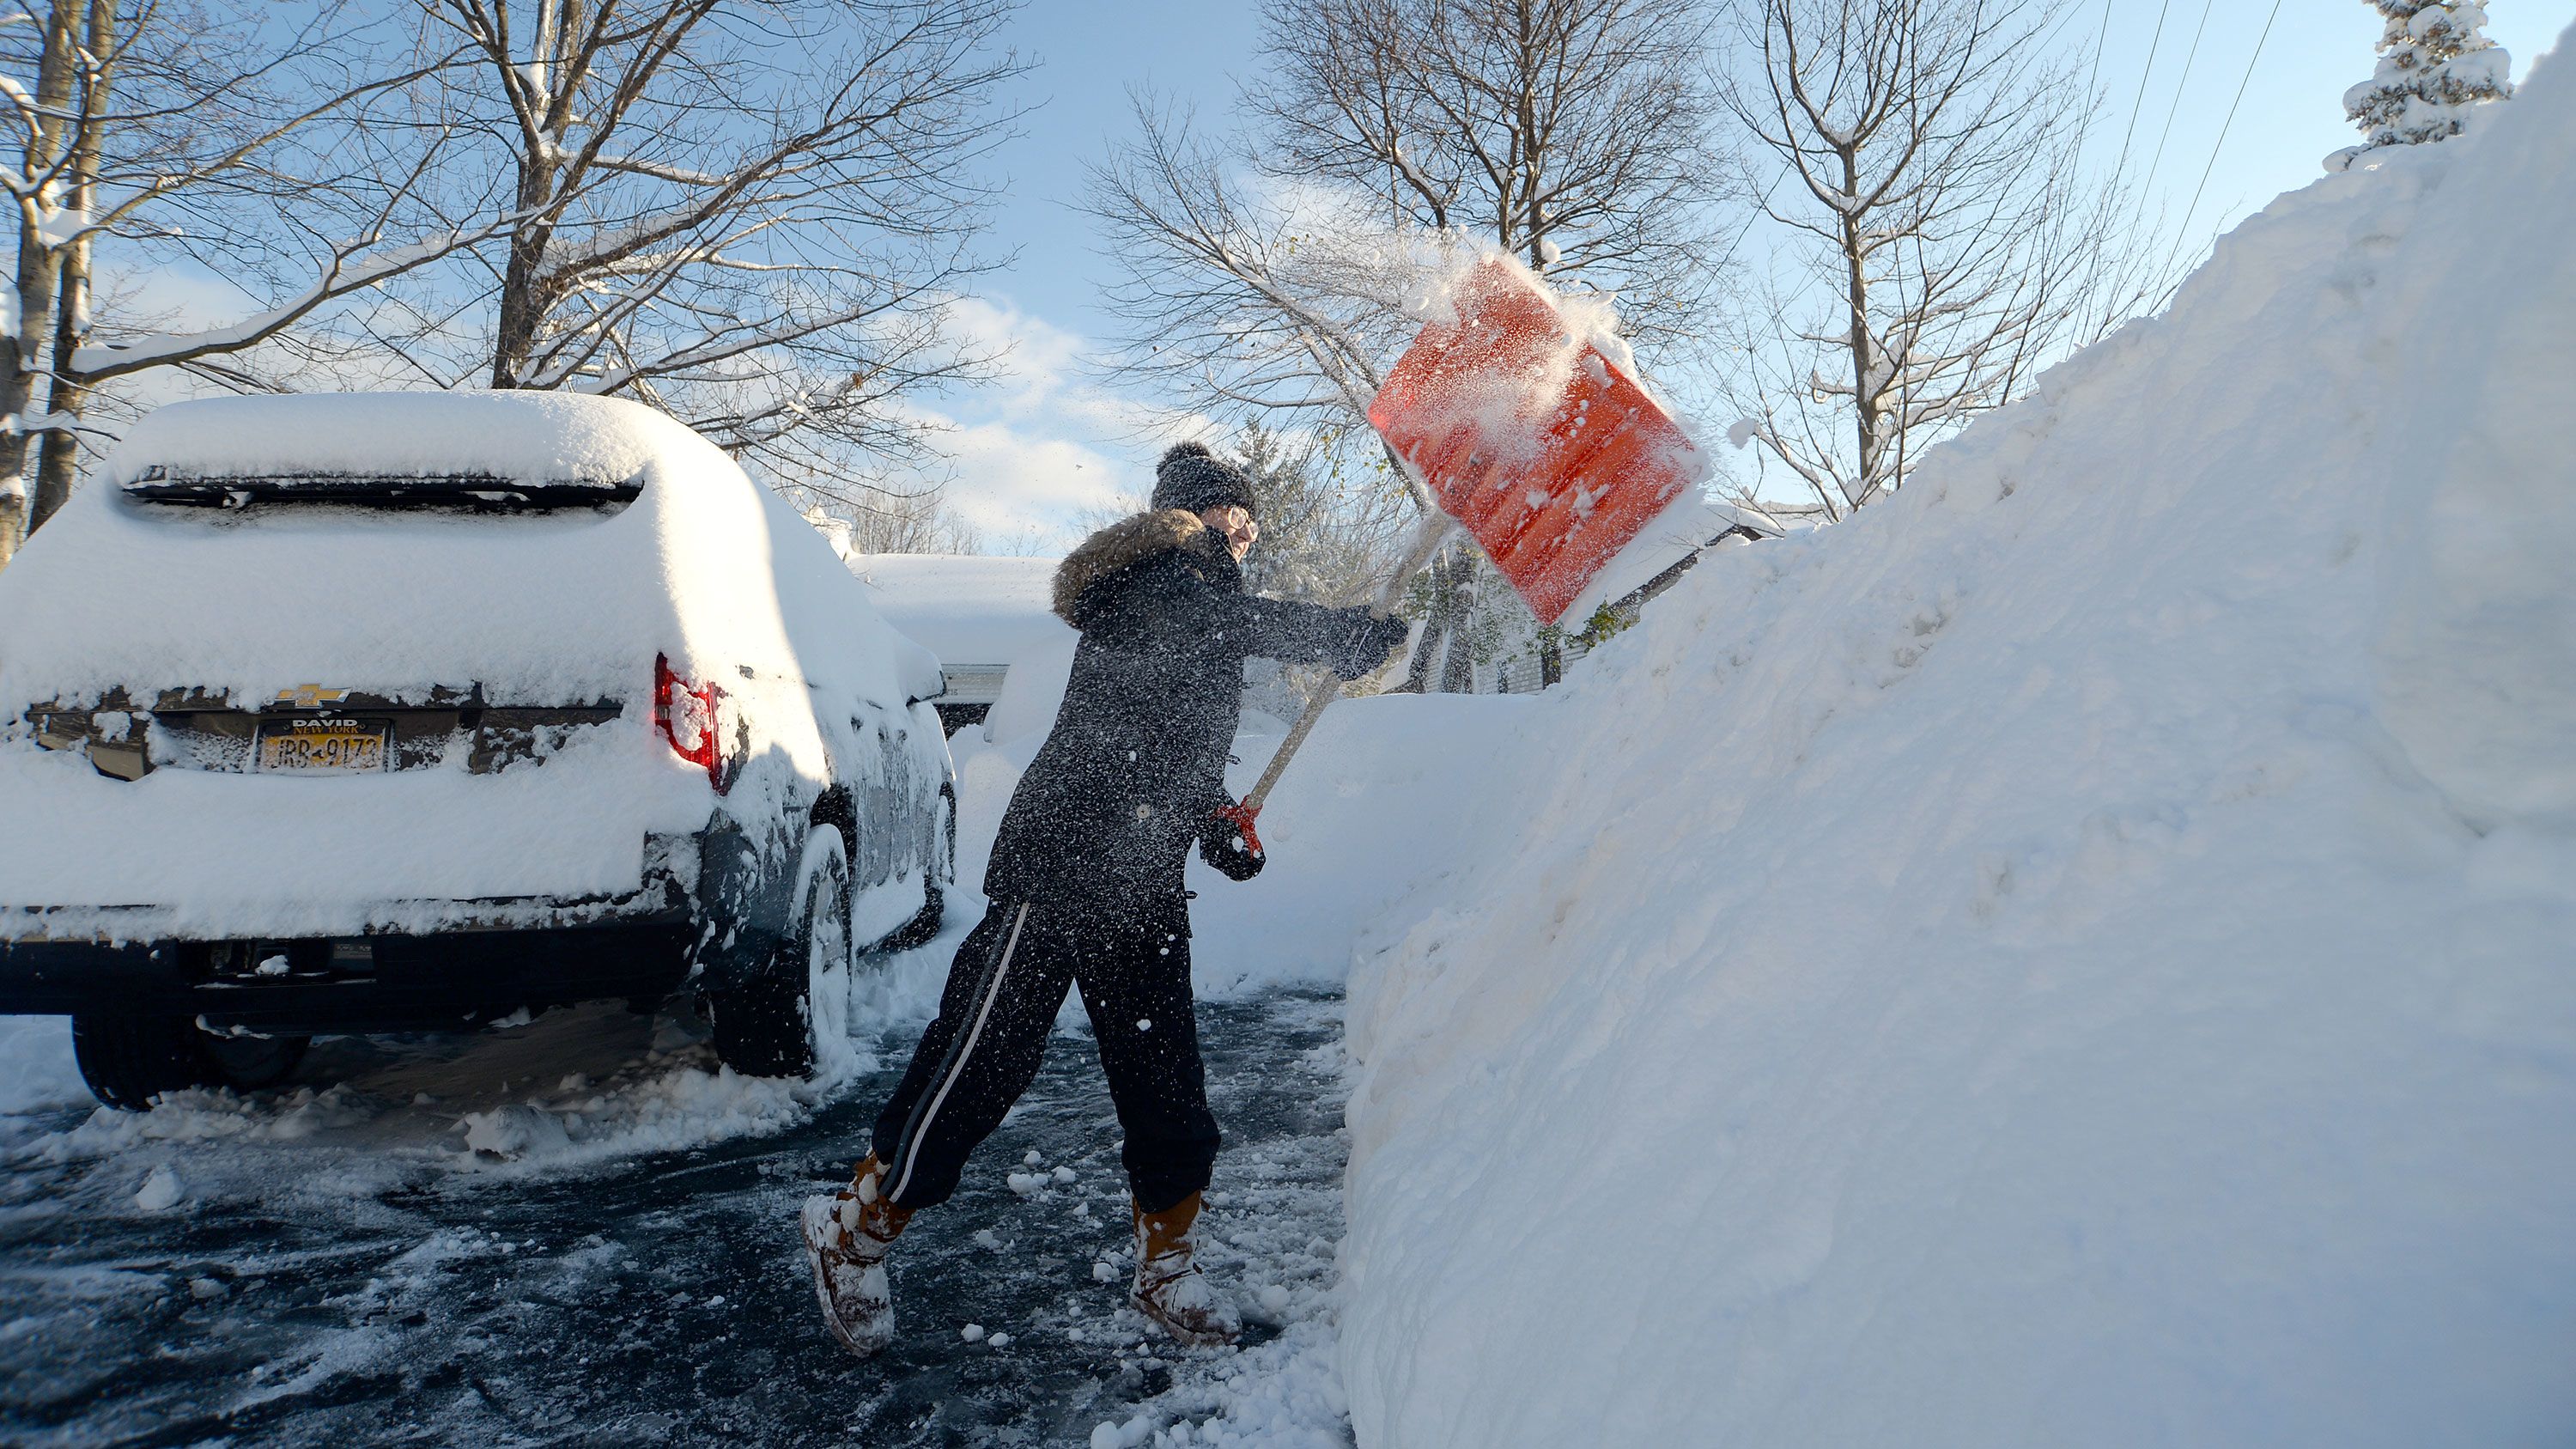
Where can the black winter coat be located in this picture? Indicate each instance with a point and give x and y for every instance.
(1135, 765)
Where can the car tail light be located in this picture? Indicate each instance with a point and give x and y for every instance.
(689, 717)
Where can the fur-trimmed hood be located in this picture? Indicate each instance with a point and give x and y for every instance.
(1122, 545)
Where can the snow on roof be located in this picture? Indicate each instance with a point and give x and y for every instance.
(966, 609)
(519, 435)
(705, 567)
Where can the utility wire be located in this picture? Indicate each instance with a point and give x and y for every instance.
(2140, 100)
(1758, 213)
(2231, 115)
(2176, 108)
(2093, 81)
(2101, 33)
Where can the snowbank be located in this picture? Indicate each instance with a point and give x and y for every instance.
(2080, 953)
(1367, 818)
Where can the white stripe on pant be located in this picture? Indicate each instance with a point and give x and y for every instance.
(957, 1063)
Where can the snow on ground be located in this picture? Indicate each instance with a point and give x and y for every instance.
(660, 1296)
(386, 1139)
(2080, 953)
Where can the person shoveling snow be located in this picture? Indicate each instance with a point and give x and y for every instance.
(1515, 416)
(1085, 885)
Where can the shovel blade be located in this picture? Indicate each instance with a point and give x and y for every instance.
(1534, 439)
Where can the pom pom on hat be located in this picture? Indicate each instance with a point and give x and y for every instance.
(1193, 478)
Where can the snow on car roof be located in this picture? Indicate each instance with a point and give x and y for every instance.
(705, 566)
(965, 609)
(531, 436)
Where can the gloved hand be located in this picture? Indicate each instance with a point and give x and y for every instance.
(1373, 642)
(1228, 842)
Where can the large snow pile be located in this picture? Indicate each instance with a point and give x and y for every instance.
(2083, 953)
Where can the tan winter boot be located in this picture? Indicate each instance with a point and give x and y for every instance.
(1169, 1287)
(846, 1238)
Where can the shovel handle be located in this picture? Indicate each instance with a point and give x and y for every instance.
(1241, 818)
(1426, 542)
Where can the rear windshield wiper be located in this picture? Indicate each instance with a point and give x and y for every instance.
(475, 492)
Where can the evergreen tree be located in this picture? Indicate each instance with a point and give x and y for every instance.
(1328, 527)
(1290, 508)
(2435, 61)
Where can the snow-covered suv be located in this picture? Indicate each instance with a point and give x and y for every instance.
(375, 712)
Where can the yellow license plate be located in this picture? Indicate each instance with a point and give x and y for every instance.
(322, 749)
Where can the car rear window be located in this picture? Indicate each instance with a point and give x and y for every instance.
(174, 487)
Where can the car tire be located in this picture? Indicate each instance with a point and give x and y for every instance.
(792, 1015)
(934, 888)
(129, 1060)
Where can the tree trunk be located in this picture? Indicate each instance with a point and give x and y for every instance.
(1417, 671)
(1458, 665)
(1872, 446)
(524, 290)
(521, 306)
(58, 455)
(38, 266)
(58, 458)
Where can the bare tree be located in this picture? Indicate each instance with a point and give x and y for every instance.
(1570, 133)
(1943, 244)
(749, 213)
(1243, 297)
(162, 128)
(915, 522)
(1269, 273)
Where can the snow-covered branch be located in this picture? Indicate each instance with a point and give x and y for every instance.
(356, 267)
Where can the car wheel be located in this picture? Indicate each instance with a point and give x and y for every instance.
(793, 1016)
(129, 1060)
(934, 894)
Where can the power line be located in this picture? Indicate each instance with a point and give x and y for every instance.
(1758, 212)
(2176, 108)
(2231, 117)
(2093, 80)
(2101, 33)
(2153, 44)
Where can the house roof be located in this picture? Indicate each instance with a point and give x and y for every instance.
(968, 610)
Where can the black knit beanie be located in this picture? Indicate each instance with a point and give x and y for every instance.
(1191, 477)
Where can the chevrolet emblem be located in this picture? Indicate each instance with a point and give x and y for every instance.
(311, 696)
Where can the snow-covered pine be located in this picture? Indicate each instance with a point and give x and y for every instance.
(2435, 62)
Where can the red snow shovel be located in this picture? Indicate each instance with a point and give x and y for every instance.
(1530, 436)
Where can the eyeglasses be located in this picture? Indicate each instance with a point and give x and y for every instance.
(1237, 521)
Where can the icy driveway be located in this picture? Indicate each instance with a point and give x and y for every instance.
(320, 1290)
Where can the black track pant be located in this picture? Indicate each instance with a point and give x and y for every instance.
(983, 1050)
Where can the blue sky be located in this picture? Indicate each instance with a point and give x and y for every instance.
(1032, 456)
(1037, 451)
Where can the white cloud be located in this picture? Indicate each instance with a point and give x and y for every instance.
(1020, 486)
(1044, 445)
(1031, 456)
